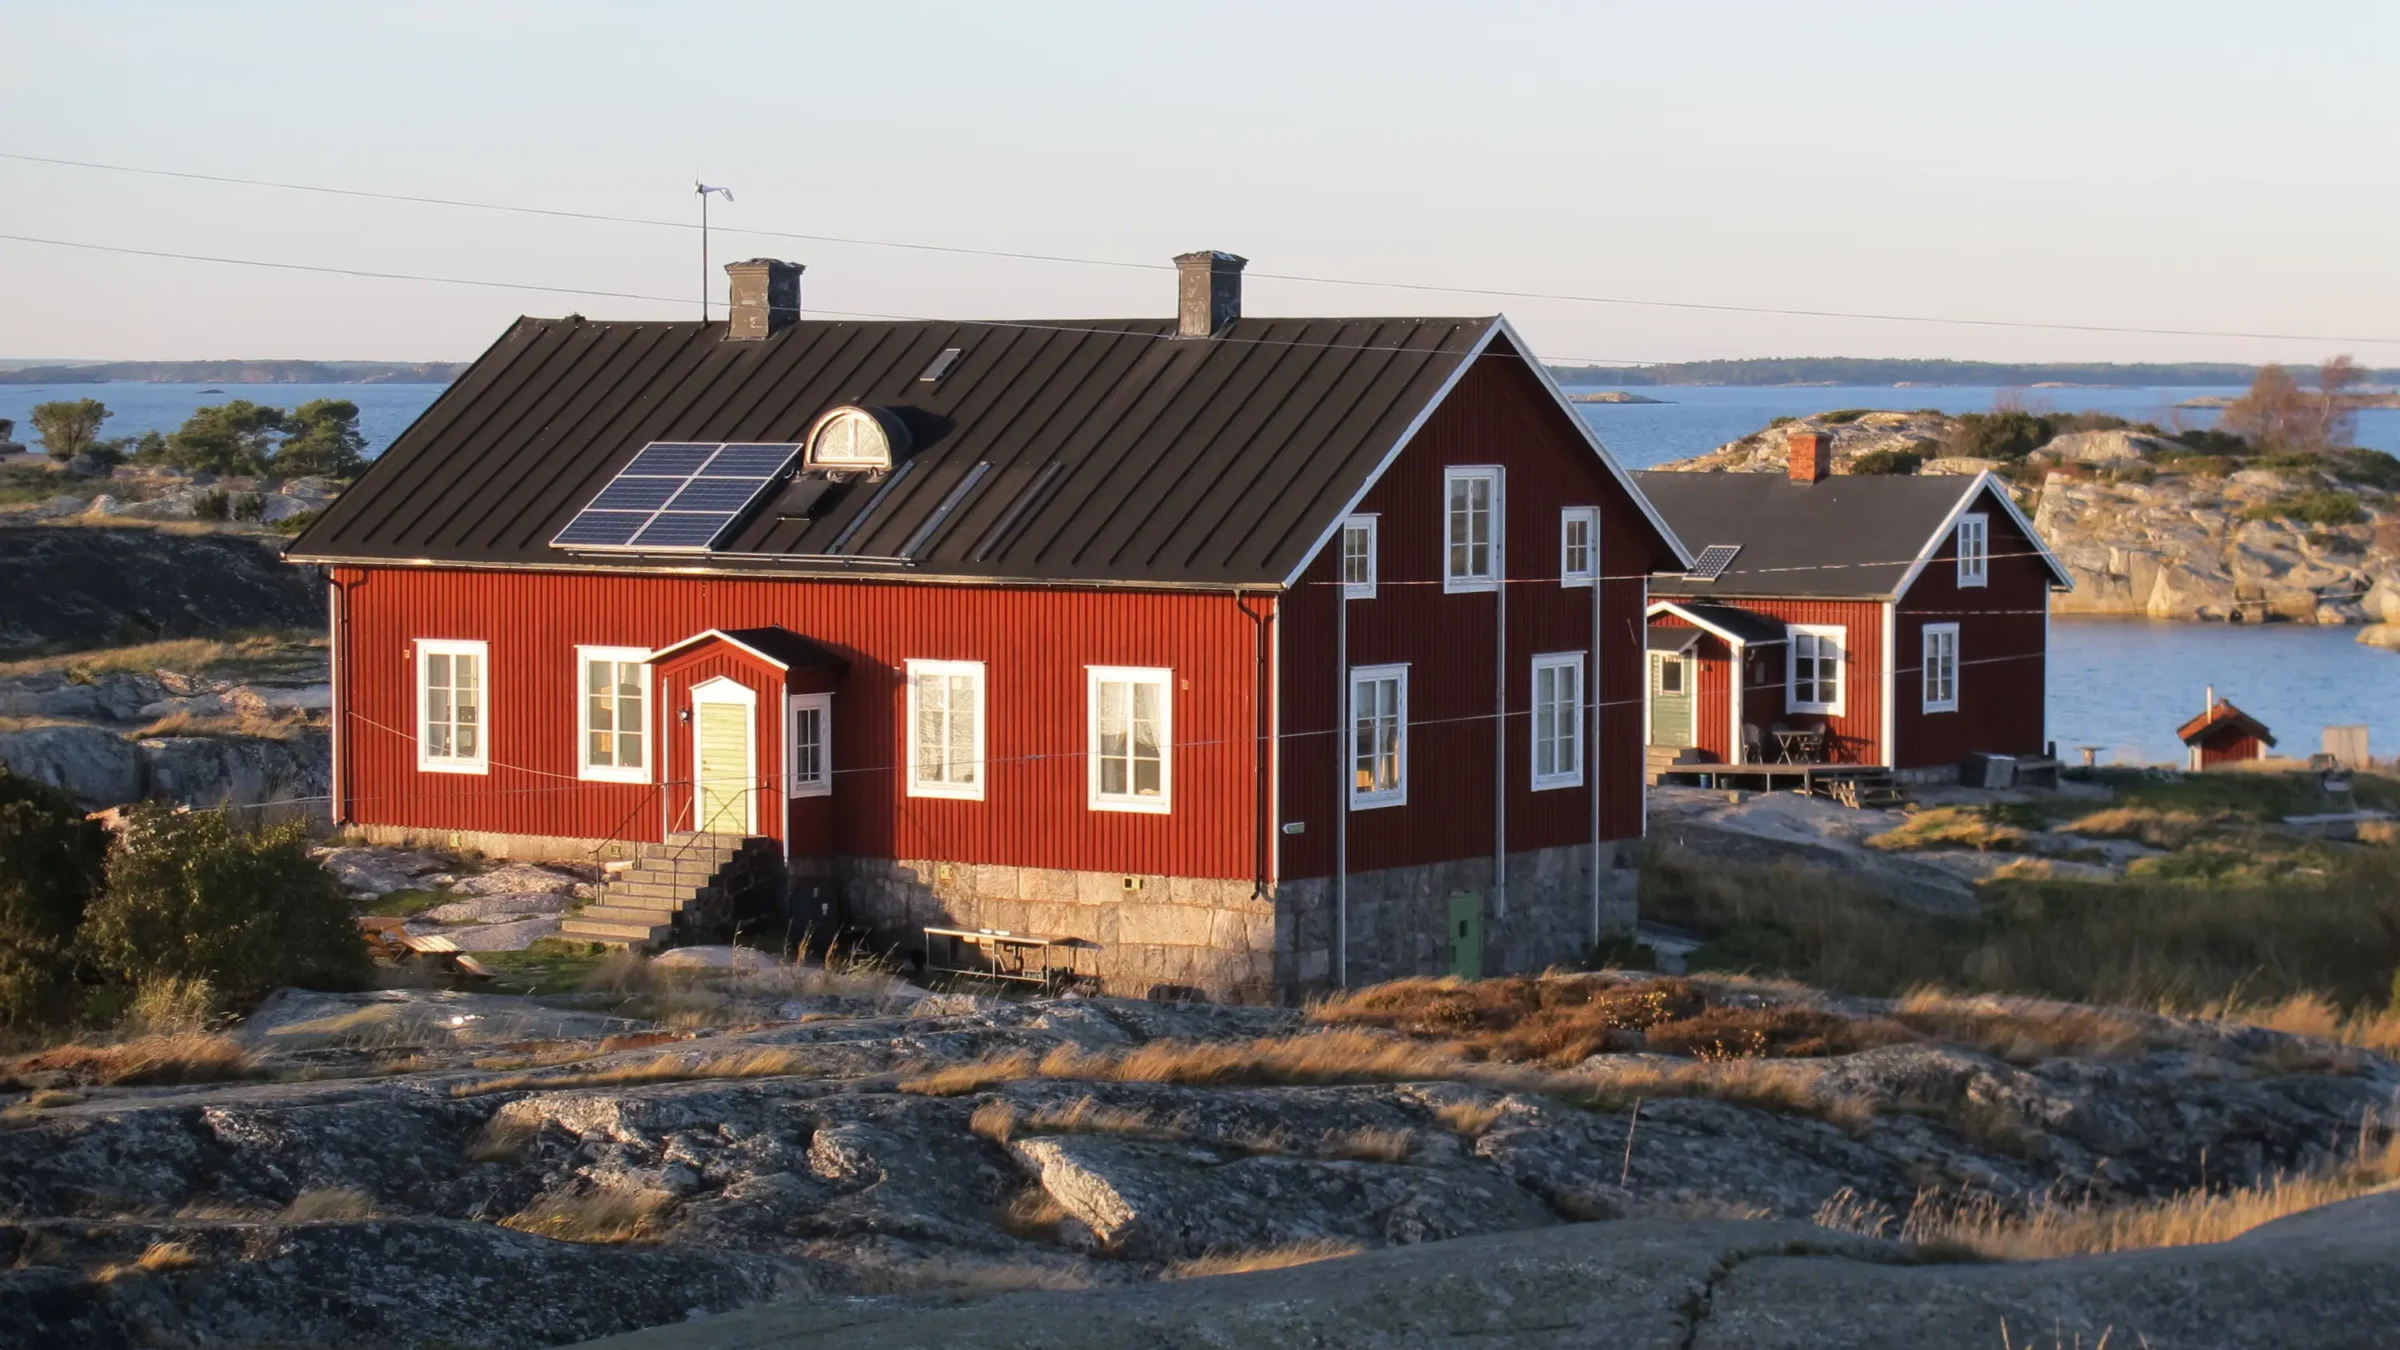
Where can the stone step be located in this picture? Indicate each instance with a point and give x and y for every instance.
(652, 914)
(616, 932)
(677, 896)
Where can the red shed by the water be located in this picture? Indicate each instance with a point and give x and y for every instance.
(1877, 622)
(2224, 735)
(1245, 655)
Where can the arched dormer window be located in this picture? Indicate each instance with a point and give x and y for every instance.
(864, 440)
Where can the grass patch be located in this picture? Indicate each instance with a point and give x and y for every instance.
(257, 726)
(329, 1204)
(1260, 1258)
(2332, 929)
(1983, 1227)
(1951, 827)
(156, 1259)
(408, 903)
(2156, 827)
(181, 655)
(549, 965)
(181, 1058)
(769, 1062)
(594, 1216)
(1468, 1119)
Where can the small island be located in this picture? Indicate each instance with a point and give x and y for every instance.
(1610, 396)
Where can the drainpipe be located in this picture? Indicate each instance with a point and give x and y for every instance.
(1346, 728)
(1259, 622)
(1590, 694)
(1499, 906)
(337, 624)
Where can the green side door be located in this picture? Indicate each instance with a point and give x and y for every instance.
(724, 774)
(1671, 698)
(1466, 935)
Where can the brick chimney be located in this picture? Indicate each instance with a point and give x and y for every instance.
(1208, 292)
(763, 298)
(1812, 455)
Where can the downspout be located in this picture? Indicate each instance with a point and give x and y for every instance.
(1346, 727)
(1259, 621)
(1591, 735)
(1738, 680)
(1500, 738)
(337, 635)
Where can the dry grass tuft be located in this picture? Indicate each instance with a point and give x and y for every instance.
(183, 655)
(671, 1068)
(1262, 1258)
(260, 726)
(329, 1204)
(503, 1139)
(994, 1120)
(1468, 1119)
(1368, 1145)
(181, 1058)
(2021, 1030)
(2313, 1014)
(2381, 833)
(1782, 1086)
(957, 1080)
(1033, 1214)
(2144, 824)
(594, 1216)
(1952, 827)
(156, 1259)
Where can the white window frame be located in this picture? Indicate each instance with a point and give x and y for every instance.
(1819, 632)
(1359, 590)
(1456, 583)
(1397, 794)
(1568, 519)
(611, 773)
(1164, 802)
(1572, 775)
(1940, 649)
(1974, 564)
(919, 786)
(481, 760)
(821, 783)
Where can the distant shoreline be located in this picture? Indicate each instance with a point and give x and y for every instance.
(234, 372)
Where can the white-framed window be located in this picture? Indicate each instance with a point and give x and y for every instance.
(612, 718)
(1941, 667)
(1131, 737)
(1358, 558)
(1378, 736)
(808, 739)
(454, 706)
(1578, 545)
(1974, 549)
(1814, 678)
(1471, 514)
(1558, 720)
(945, 729)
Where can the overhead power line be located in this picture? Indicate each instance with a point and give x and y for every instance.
(1869, 316)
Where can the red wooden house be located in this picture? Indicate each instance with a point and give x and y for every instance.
(1242, 654)
(1889, 622)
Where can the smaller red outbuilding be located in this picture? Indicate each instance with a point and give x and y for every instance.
(2224, 735)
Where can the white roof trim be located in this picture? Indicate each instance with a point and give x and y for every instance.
(1497, 327)
(1658, 607)
(719, 635)
(1975, 485)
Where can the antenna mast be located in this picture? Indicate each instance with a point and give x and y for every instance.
(704, 192)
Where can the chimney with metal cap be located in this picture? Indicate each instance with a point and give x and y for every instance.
(1812, 455)
(1208, 292)
(763, 298)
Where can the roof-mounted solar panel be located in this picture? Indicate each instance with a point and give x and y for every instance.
(1712, 562)
(677, 497)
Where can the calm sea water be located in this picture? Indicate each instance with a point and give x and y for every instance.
(384, 410)
(2105, 688)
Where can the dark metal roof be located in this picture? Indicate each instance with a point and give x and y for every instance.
(1850, 536)
(1116, 451)
(1671, 639)
(1746, 626)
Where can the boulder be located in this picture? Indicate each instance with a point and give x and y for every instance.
(2103, 447)
(1958, 465)
(92, 764)
(2384, 635)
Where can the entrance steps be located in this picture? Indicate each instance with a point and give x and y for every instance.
(690, 880)
(1660, 760)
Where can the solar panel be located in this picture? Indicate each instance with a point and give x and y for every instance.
(677, 496)
(1712, 562)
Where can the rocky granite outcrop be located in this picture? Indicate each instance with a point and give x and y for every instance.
(76, 588)
(646, 1174)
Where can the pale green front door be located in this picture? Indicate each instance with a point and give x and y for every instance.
(723, 774)
(1671, 698)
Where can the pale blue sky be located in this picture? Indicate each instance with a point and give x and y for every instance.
(2181, 165)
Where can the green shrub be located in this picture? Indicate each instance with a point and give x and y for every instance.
(50, 863)
(194, 896)
(212, 505)
(1843, 416)
(2001, 435)
(1774, 422)
(294, 524)
(2312, 508)
(250, 506)
(1887, 462)
(2373, 468)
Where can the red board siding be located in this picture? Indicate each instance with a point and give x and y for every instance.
(2003, 640)
(1858, 728)
(2230, 747)
(1497, 414)
(1035, 643)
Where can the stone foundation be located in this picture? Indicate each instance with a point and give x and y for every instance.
(1399, 918)
(492, 844)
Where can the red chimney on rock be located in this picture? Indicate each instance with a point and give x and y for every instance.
(1812, 455)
